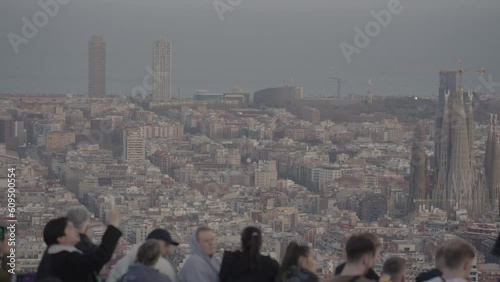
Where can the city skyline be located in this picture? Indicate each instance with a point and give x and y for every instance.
(312, 52)
(310, 122)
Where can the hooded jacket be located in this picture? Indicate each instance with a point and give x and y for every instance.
(199, 267)
(122, 266)
(236, 267)
(138, 272)
(428, 275)
(69, 263)
(297, 274)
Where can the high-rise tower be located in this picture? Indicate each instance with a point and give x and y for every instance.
(419, 173)
(161, 69)
(97, 67)
(492, 163)
(133, 145)
(369, 94)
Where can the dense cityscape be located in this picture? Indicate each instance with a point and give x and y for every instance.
(416, 170)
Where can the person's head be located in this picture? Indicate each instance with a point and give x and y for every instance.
(361, 250)
(376, 240)
(251, 241)
(164, 239)
(440, 257)
(206, 239)
(60, 231)
(395, 268)
(301, 256)
(458, 257)
(80, 217)
(149, 252)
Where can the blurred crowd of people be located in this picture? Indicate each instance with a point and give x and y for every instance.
(72, 257)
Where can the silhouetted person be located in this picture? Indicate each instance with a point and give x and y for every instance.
(80, 217)
(361, 254)
(248, 264)
(143, 269)
(162, 264)
(299, 264)
(371, 274)
(201, 265)
(458, 259)
(65, 261)
(393, 270)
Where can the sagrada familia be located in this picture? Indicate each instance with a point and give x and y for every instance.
(452, 180)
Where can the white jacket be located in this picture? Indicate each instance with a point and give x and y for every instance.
(121, 267)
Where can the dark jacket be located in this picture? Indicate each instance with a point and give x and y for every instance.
(71, 265)
(296, 274)
(140, 273)
(424, 276)
(496, 247)
(4, 270)
(371, 274)
(86, 245)
(236, 267)
(340, 278)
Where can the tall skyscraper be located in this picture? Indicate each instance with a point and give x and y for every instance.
(369, 94)
(454, 174)
(97, 67)
(419, 173)
(161, 69)
(492, 163)
(133, 145)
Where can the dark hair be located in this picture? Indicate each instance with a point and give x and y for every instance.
(292, 254)
(440, 251)
(54, 229)
(394, 266)
(359, 245)
(149, 252)
(251, 241)
(456, 251)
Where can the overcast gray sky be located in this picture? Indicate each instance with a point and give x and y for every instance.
(257, 45)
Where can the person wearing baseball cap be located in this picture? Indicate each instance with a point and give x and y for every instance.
(163, 265)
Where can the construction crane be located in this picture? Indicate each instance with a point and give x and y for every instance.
(339, 81)
(459, 71)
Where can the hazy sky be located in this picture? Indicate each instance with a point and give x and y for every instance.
(257, 45)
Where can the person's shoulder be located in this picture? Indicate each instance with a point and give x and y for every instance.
(230, 254)
(434, 279)
(271, 263)
(194, 258)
